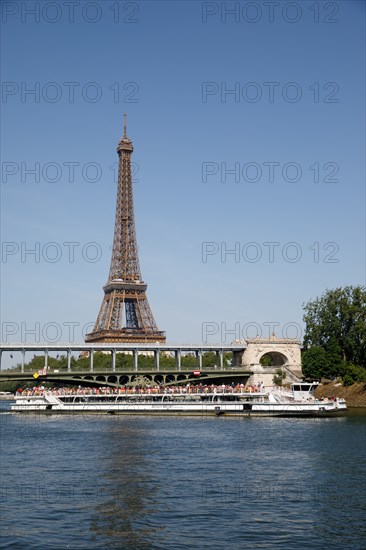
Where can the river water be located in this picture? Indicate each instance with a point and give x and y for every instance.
(139, 482)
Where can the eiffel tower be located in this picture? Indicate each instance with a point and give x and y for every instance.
(125, 314)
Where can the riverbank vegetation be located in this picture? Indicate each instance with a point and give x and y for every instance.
(335, 336)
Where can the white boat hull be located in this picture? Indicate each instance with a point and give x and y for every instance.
(241, 405)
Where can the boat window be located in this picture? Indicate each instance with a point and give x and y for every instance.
(296, 388)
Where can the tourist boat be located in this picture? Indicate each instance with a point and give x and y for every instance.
(299, 401)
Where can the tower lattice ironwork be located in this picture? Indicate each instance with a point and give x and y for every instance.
(125, 314)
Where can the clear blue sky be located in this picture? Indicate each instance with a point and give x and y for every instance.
(168, 66)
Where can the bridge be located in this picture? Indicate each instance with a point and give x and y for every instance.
(247, 361)
(129, 376)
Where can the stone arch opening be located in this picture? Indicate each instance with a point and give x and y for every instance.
(159, 379)
(123, 380)
(273, 359)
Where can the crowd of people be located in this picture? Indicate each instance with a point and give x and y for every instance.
(131, 390)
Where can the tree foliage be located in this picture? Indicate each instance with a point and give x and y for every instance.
(279, 377)
(335, 333)
(354, 374)
(265, 360)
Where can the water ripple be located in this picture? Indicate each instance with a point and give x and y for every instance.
(124, 482)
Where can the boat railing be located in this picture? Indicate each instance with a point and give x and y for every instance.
(191, 390)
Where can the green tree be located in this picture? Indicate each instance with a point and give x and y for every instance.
(188, 362)
(265, 361)
(335, 323)
(209, 360)
(279, 377)
(354, 374)
(315, 363)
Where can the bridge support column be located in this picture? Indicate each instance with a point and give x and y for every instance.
(91, 360)
(135, 359)
(113, 360)
(220, 359)
(1, 353)
(69, 360)
(157, 359)
(23, 361)
(178, 357)
(199, 359)
(46, 359)
(237, 359)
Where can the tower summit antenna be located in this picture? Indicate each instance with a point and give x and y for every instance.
(124, 125)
